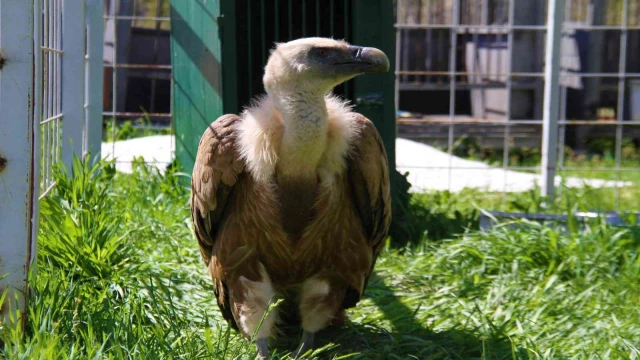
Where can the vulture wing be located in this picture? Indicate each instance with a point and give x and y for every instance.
(368, 171)
(215, 172)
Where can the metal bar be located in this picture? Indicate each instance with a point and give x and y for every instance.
(563, 128)
(290, 19)
(48, 49)
(263, 34)
(18, 156)
(249, 48)
(331, 17)
(317, 17)
(464, 73)
(519, 74)
(452, 82)
(276, 19)
(622, 66)
(397, 78)
(507, 130)
(551, 110)
(55, 79)
(466, 121)
(114, 79)
(466, 27)
(172, 124)
(56, 117)
(58, 131)
(47, 191)
(46, 79)
(599, 27)
(95, 76)
(73, 31)
(522, 168)
(152, 97)
(304, 18)
(604, 75)
(412, 86)
(631, 169)
(55, 94)
(497, 28)
(485, 13)
(125, 17)
(347, 21)
(134, 114)
(36, 156)
(141, 66)
(411, 120)
(476, 47)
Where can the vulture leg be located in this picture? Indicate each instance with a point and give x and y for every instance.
(306, 344)
(263, 350)
(320, 301)
(250, 299)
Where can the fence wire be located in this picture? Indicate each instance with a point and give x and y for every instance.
(470, 80)
(51, 89)
(137, 107)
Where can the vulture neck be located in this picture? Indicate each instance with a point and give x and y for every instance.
(306, 125)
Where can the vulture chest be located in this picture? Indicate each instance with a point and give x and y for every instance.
(295, 229)
(297, 198)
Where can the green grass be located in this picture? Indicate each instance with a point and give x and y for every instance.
(130, 129)
(120, 276)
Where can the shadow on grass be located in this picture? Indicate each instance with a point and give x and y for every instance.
(408, 338)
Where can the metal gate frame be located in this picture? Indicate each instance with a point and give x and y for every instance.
(50, 89)
(18, 143)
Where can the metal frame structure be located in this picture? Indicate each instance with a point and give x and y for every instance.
(566, 16)
(18, 154)
(122, 17)
(47, 116)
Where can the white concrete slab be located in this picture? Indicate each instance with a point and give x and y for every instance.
(428, 167)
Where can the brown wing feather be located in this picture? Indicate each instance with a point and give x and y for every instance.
(215, 172)
(368, 171)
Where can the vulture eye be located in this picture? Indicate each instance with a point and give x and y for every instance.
(321, 53)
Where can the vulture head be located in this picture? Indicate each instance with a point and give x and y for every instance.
(319, 64)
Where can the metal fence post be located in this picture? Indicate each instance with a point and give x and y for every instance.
(94, 77)
(73, 33)
(18, 152)
(551, 109)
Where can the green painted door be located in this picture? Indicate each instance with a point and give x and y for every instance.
(197, 85)
(374, 94)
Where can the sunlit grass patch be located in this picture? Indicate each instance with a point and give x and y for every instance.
(120, 276)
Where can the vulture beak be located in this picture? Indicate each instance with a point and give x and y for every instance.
(364, 60)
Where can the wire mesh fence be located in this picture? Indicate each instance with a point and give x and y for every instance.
(137, 105)
(66, 98)
(50, 98)
(470, 82)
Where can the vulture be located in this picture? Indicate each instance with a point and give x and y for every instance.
(290, 200)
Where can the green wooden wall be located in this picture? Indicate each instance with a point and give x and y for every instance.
(374, 93)
(197, 83)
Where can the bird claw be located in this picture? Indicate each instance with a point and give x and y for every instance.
(306, 344)
(263, 350)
